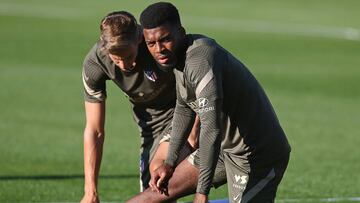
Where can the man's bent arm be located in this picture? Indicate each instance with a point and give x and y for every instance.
(93, 144)
(181, 127)
(203, 70)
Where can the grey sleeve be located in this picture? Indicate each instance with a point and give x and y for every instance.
(204, 72)
(94, 81)
(181, 126)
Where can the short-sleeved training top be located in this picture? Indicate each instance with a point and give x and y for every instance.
(149, 88)
(234, 111)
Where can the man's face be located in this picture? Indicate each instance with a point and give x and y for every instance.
(125, 58)
(163, 43)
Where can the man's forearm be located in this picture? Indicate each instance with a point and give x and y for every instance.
(210, 142)
(93, 145)
(181, 127)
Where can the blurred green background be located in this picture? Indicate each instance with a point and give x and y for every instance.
(305, 53)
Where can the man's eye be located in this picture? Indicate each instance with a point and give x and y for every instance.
(150, 44)
(166, 39)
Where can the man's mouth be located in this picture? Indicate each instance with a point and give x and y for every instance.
(163, 59)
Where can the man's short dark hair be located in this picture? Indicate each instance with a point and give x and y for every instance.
(159, 13)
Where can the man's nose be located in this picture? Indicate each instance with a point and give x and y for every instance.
(159, 47)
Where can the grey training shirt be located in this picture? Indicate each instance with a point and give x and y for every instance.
(150, 89)
(234, 110)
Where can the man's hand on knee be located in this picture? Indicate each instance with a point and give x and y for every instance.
(160, 178)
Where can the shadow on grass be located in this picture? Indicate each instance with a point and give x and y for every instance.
(65, 177)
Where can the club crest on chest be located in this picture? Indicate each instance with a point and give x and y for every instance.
(150, 74)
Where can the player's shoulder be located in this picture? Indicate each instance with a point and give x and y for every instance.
(93, 55)
(198, 41)
(200, 54)
(200, 47)
(95, 65)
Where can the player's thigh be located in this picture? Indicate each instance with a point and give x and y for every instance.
(268, 193)
(253, 184)
(148, 148)
(237, 177)
(184, 180)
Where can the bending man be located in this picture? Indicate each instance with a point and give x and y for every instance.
(121, 56)
(237, 119)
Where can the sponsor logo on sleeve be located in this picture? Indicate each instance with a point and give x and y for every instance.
(202, 103)
(193, 105)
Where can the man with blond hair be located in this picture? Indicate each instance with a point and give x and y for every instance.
(122, 57)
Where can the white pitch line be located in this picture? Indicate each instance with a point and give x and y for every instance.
(238, 25)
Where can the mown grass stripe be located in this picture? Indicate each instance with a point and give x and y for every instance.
(270, 27)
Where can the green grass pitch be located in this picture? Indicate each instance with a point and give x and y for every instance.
(306, 54)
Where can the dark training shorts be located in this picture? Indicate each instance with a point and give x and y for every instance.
(248, 183)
